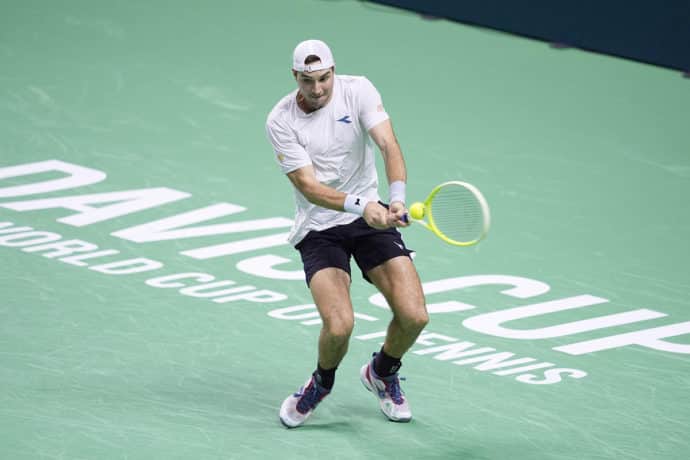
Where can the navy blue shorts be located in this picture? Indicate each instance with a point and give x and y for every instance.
(334, 246)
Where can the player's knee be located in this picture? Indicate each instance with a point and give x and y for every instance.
(414, 322)
(339, 327)
(421, 319)
(339, 334)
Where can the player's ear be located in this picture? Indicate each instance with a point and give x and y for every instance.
(294, 74)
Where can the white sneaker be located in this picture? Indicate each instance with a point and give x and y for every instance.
(388, 392)
(299, 406)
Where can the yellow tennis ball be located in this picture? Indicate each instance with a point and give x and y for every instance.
(417, 210)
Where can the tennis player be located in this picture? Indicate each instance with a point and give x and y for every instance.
(323, 136)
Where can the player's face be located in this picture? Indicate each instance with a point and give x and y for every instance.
(315, 87)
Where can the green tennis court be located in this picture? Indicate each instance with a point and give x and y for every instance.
(151, 309)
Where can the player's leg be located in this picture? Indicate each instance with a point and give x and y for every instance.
(330, 289)
(327, 269)
(385, 262)
(398, 281)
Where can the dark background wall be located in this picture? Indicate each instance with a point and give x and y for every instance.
(643, 30)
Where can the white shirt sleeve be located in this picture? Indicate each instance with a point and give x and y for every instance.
(371, 111)
(289, 154)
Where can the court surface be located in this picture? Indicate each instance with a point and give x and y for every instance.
(188, 323)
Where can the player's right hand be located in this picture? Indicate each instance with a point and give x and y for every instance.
(399, 212)
(377, 216)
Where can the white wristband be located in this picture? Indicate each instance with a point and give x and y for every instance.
(355, 204)
(396, 191)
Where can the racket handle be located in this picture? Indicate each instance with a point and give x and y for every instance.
(405, 218)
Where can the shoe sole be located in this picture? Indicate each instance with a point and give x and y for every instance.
(289, 427)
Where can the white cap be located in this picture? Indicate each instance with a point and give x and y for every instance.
(307, 48)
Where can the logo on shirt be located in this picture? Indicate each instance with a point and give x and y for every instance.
(345, 119)
(281, 157)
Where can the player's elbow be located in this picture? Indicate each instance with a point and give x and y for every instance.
(308, 188)
(383, 143)
(306, 183)
(389, 146)
(310, 193)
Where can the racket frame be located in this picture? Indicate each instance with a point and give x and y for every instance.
(429, 211)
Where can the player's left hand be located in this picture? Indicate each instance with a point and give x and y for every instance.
(398, 211)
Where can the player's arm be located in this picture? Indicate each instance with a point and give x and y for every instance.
(384, 137)
(319, 194)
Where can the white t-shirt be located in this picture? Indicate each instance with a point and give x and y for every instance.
(335, 141)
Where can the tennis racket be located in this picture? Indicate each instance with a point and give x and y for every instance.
(456, 212)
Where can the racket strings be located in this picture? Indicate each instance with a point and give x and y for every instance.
(458, 214)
